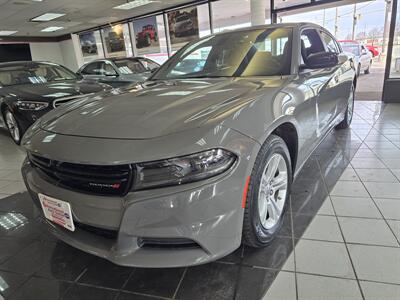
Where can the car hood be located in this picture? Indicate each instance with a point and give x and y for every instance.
(47, 92)
(156, 108)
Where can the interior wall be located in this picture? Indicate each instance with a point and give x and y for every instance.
(63, 53)
(46, 52)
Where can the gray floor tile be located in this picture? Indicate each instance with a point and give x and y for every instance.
(323, 228)
(376, 263)
(325, 258)
(283, 287)
(376, 175)
(367, 163)
(380, 291)
(365, 153)
(311, 287)
(326, 208)
(349, 189)
(395, 225)
(390, 208)
(355, 207)
(392, 163)
(383, 189)
(367, 231)
(396, 172)
(349, 175)
(3, 196)
(13, 187)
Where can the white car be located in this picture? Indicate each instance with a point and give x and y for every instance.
(361, 55)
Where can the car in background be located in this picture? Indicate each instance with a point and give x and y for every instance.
(183, 25)
(185, 167)
(362, 57)
(148, 34)
(28, 90)
(373, 49)
(118, 72)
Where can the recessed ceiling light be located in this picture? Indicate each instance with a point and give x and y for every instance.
(52, 28)
(133, 4)
(7, 32)
(47, 17)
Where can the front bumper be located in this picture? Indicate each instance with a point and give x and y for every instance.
(208, 213)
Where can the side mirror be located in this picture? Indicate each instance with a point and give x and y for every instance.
(322, 60)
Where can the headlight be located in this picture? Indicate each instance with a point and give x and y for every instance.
(184, 169)
(31, 105)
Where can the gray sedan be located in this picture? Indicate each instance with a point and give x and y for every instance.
(184, 168)
(118, 72)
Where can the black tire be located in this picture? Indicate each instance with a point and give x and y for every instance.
(348, 116)
(368, 70)
(254, 233)
(17, 126)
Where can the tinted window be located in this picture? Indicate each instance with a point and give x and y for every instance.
(310, 43)
(330, 43)
(149, 64)
(91, 69)
(34, 74)
(261, 52)
(129, 66)
(107, 69)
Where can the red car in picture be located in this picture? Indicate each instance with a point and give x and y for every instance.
(373, 49)
(148, 34)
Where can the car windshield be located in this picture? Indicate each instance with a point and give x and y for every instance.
(129, 66)
(34, 74)
(261, 52)
(351, 48)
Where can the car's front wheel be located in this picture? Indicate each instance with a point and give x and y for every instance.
(268, 193)
(349, 111)
(12, 126)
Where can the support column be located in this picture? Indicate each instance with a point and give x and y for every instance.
(258, 8)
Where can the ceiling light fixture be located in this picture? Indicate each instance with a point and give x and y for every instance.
(7, 32)
(133, 4)
(47, 17)
(52, 29)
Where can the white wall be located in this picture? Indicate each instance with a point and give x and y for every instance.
(63, 53)
(47, 52)
(69, 55)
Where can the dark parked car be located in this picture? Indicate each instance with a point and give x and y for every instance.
(119, 71)
(184, 168)
(28, 90)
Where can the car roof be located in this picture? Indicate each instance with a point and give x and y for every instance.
(280, 25)
(25, 63)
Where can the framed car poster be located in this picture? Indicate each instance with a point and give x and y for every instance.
(146, 35)
(88, 44)
(115, 40)
(183, 26)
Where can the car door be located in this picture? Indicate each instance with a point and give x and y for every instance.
(323, 82)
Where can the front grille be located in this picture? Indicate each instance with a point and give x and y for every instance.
(92, 179)
(167, 243)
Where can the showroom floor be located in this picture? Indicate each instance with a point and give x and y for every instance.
(340, 239)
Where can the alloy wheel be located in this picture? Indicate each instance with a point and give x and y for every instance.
(12, 126)
(272, 191)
